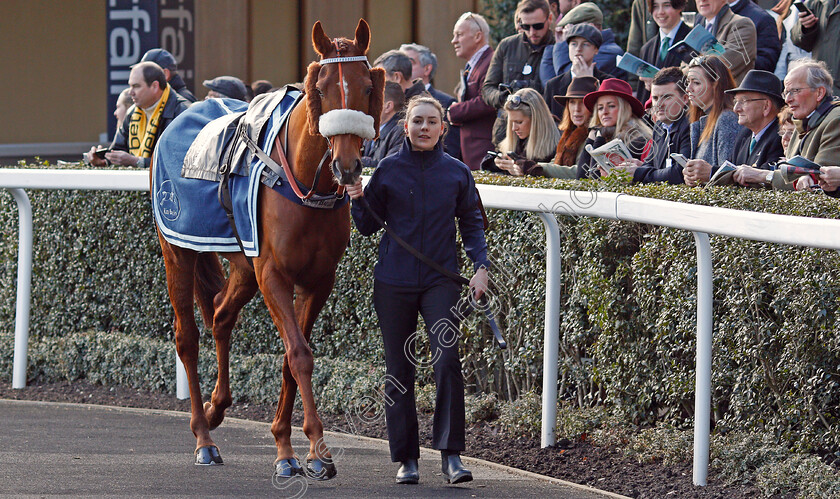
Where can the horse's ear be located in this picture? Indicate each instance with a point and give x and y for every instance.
(377, 96)
(313, 97)
(320, 41)
(362, 40)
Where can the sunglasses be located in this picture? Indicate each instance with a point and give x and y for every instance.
(471, 17)
(516, 101)
(529, 27)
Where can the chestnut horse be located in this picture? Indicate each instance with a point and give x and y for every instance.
(300, 248)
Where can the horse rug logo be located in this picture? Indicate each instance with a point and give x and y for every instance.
(167, 201)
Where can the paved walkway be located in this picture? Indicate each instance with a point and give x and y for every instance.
(87, 450)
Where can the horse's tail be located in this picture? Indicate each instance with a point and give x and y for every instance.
(209, 280)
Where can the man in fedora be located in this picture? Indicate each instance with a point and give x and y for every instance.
(671, 133)
(757, 102)
(584, 41)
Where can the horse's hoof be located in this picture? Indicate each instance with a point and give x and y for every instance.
(319, 469)
(208, 456)
(287, 468)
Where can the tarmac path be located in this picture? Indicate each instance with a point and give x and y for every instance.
(49, 448)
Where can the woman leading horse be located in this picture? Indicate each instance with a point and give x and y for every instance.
(299, 250)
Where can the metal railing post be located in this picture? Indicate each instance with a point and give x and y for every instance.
(24, 287)
(552, 327)
(703, 369)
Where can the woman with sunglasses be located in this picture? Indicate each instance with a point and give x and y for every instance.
(616, 114)
(714, 125)
(531, 135)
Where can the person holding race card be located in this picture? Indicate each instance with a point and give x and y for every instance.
(616, 114)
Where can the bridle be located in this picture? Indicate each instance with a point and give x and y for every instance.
(328, 153)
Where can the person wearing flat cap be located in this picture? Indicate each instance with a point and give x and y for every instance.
(556, 60)
(229, 87)
(616, 114)
(758, 145)
(169, 65)
(583, 41)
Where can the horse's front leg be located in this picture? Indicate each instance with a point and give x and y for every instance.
(240, 287)
(298, 362)
(308, 305)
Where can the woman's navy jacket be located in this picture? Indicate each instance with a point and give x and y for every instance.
(419, 194)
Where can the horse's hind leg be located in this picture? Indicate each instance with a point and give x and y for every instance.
(238, 290)
(180, 270)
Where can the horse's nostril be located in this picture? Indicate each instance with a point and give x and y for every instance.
(358, 165)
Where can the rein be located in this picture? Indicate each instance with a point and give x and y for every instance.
(458, 279)
(284, 161)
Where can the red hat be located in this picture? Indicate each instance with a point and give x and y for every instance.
(619, 88)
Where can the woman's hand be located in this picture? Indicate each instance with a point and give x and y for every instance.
(478, 283)
(355, 191)
(507, 164)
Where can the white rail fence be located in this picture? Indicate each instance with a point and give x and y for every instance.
(701, 220)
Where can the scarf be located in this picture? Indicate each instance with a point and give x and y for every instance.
(569, 145)
(142, 135)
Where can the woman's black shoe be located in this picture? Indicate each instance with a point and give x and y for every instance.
(408, 472)
(453, 469)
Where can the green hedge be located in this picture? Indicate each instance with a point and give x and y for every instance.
(628, 308)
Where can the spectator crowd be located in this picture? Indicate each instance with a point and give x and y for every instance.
(754, 100)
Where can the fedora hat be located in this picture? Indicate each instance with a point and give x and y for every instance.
(619, 88)
(763, 82)
(578, 88)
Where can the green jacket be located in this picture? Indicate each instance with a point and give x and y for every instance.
(818, 142)
(822, 39)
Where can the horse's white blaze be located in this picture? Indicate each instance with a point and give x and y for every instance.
(346, 91)
(341, 121)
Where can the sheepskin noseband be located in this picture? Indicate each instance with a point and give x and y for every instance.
(341, 121)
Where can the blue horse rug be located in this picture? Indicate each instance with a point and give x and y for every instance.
(187, 210)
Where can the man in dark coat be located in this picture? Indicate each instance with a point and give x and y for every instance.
(768, 44)
(391, 134)
(668, 17)
(146, 120)
(470, 115)
(516, 61)
(757, 103)
(671, 133)
(584, 42)
(558, 54)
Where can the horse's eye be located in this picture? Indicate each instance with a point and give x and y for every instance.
(320, 92)
(368, 90)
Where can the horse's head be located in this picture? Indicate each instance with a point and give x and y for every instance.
(344, 98)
